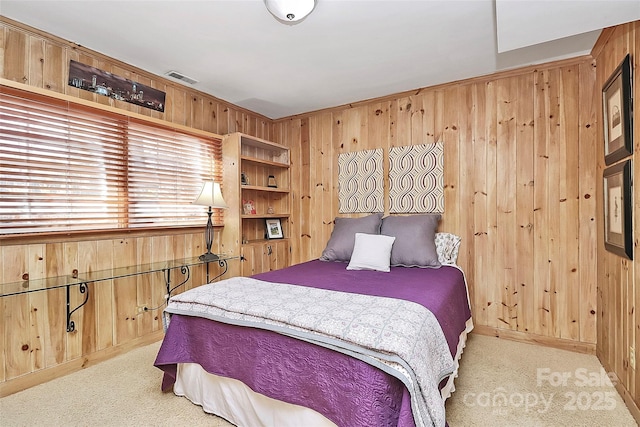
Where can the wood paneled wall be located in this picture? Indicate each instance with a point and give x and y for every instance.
(34, 344)
(619, 278)
(520, 176)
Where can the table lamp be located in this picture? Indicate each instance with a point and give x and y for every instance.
(211, 196)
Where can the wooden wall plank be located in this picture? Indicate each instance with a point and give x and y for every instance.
(3, 31)
(55, 345)
(450, 139)
(144, 296)
(87, 256)
(299, 190)
(494, 306)
(161, 250)
(210, 115)
(481, 257)
(17, 338)
(35, 51)
(196, 112)
(525, 179)
(589, 100)
(55, 68)
(402, 117)
(466, 111)
(125, 293)
(104, 296)
(324, 187)
(541, 211)
(556, 253)
(328, 143)
(568, 203)
(74, 339)
(16, 56)
(506, 200)
(37, 307)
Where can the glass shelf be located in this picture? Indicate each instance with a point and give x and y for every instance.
(82, 280)
(35, 285)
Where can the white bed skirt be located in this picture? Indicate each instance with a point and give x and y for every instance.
(234, 401)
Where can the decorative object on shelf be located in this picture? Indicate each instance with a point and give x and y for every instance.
(618, 228)
(272, 182)
(274, 229)
(360, 182)
(270, 210)
(244, 179)
(211, 196)
(290, 12)
(416, 178)
(616, 111)
(248, 207)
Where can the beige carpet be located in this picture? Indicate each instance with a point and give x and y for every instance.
(497, 386)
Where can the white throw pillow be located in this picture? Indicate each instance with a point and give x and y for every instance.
(371, 252)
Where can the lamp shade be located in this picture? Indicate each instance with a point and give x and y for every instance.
(210, 195)
(290, 11)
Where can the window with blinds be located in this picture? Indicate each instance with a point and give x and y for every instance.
(68, 167)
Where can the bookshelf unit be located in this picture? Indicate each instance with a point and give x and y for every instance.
(257, 171)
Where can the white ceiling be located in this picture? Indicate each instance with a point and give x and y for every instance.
(345, 51)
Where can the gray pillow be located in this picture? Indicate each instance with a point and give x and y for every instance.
(415, 239)
(343, 237)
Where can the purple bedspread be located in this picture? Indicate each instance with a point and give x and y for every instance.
(347, 391)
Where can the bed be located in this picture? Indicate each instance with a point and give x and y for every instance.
(372, 341)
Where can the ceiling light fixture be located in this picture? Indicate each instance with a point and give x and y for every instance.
(290, 12)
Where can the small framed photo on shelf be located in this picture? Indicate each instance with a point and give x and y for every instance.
(617, 209)
(244, 179)
(248, 207)
(274, 229)
(616, 111)
(271, 182)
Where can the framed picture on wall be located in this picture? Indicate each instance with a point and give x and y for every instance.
(274, 229)
(617, 209)
(616, 111)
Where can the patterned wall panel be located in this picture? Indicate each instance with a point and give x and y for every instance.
(416, 179)
(360, 182)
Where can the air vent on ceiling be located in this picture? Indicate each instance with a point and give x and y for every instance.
(179, 76)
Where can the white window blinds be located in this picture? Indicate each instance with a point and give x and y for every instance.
(68, 167)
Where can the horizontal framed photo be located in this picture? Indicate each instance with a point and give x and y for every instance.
(274, 229)
(617, 209)
(616, 111)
